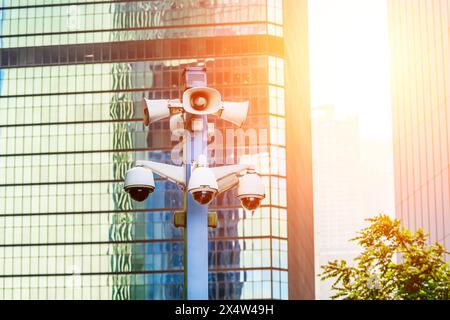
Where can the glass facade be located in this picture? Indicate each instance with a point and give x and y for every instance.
(72, 76)
(420, 89)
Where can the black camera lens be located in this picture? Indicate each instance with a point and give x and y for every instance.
(139, 193)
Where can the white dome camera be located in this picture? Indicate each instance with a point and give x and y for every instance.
(139, 183)
(203, 184)
(251, 190)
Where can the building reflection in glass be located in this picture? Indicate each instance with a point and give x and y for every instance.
(70, 121)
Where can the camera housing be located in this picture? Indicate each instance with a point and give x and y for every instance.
(139, 183)
(251, 190)
(203, 185)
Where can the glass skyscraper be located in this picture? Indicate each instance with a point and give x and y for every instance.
(420, 73)
(72, 77)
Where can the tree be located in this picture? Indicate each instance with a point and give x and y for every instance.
(395, 264)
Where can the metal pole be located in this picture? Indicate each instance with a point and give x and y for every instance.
(196, 231)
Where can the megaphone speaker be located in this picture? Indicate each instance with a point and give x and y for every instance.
(202, 100)
(235, 112)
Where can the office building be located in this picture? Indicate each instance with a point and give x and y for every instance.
(73, 74)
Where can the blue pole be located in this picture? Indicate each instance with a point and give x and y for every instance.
(196, 240)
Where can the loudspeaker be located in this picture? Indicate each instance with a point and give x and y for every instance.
(202, 100)
(155, 110)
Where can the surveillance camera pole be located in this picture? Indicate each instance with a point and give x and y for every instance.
(198, 102)
(196, 231)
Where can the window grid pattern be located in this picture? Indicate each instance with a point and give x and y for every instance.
(69, 131)
(46, 25)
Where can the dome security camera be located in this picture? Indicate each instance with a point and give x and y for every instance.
(203, 185)
(251, 190)
(139, 183)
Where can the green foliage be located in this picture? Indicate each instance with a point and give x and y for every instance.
(395, 264)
